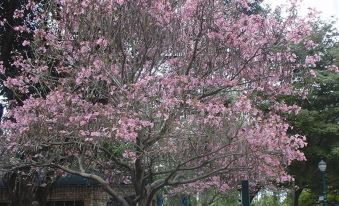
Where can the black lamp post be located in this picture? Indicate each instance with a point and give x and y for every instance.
(1, 111)
(245, 193)
(322, 168)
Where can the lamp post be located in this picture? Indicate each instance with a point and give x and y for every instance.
(322, 168)
(245, 193)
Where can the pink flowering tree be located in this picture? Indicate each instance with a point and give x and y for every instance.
(156, 94)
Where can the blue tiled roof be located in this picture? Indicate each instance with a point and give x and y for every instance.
(66, 181)
(2, 185)
(74, 180)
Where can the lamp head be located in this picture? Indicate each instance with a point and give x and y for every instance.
(322, 166)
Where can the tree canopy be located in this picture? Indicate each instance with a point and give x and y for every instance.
(156, 95)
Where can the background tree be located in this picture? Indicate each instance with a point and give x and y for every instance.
(318, 119)
(23, 184)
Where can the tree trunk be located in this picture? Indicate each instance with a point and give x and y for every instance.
(295, 196)
(143, 202)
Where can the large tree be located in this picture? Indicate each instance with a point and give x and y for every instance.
(156, 94)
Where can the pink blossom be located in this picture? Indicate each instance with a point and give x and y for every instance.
(312, 60)
(333, 68)
(25, 43)
(102, 42)
(120, 2)
(313, 73)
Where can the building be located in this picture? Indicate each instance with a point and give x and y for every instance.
(70, 190)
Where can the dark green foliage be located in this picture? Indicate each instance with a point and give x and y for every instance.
(319, 118)
(11, 47)
(11, 41)
(319, 122)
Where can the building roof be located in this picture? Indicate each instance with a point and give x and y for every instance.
(74, 180)
(66, 181)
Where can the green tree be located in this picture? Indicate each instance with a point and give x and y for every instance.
(318, 121)
(319, 118)
(272, 198)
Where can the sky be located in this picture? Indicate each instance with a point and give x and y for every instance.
(327, 8)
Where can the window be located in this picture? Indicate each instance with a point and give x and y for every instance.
(64, 203)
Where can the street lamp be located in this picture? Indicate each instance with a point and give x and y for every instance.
(322, 168)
